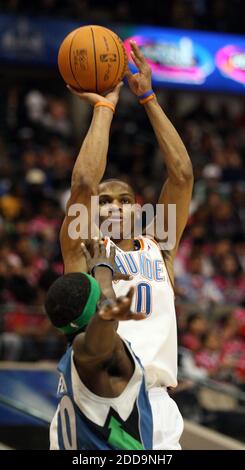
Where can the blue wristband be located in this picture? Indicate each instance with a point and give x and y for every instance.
(146, 94)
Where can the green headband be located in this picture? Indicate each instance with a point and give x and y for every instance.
(88, 311)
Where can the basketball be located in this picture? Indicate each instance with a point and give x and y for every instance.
(92, 58)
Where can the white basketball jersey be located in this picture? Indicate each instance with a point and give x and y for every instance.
(154, 339)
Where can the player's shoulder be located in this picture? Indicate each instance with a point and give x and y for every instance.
(154, 243)
(166, 255)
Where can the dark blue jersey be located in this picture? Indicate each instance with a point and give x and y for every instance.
(85, 421)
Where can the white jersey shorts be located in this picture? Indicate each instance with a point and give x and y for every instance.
(168, 423)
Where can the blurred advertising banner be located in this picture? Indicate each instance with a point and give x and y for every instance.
(191, 59)
(178, 58)
(27, 394)
(31, 40)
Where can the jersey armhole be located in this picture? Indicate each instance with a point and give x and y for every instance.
(164, 255)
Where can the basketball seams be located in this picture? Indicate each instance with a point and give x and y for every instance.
(80, 87)
(95, 62)
(124, 53)
(119, 59)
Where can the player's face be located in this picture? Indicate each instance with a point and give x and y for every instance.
(116, 212)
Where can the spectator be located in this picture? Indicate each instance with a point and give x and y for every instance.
(196, 328)
(230, 279)
(196, 287)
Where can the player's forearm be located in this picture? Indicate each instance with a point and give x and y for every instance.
(103, 276)
(100, 337)
(176, 158)
(91, 161)
(100, 334)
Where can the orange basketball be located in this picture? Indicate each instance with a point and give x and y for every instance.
(92, 58)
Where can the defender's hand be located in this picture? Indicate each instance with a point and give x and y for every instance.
(139, 82)
(97, 254)
(112, 97)
(119, 309)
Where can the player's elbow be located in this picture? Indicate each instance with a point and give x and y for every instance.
(184, 175)
(81, 192)
(81, 183)
(187, 173)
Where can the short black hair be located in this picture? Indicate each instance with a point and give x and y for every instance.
(117, 181)
(66, 298)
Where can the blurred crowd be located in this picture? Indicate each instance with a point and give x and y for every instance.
(38, 148)
(213, 15)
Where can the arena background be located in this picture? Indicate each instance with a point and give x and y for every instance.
(41, 130)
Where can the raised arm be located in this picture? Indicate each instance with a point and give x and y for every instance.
(100, 340)
(101, 347)
(88, 171)
(91, 161)
(177, 189)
